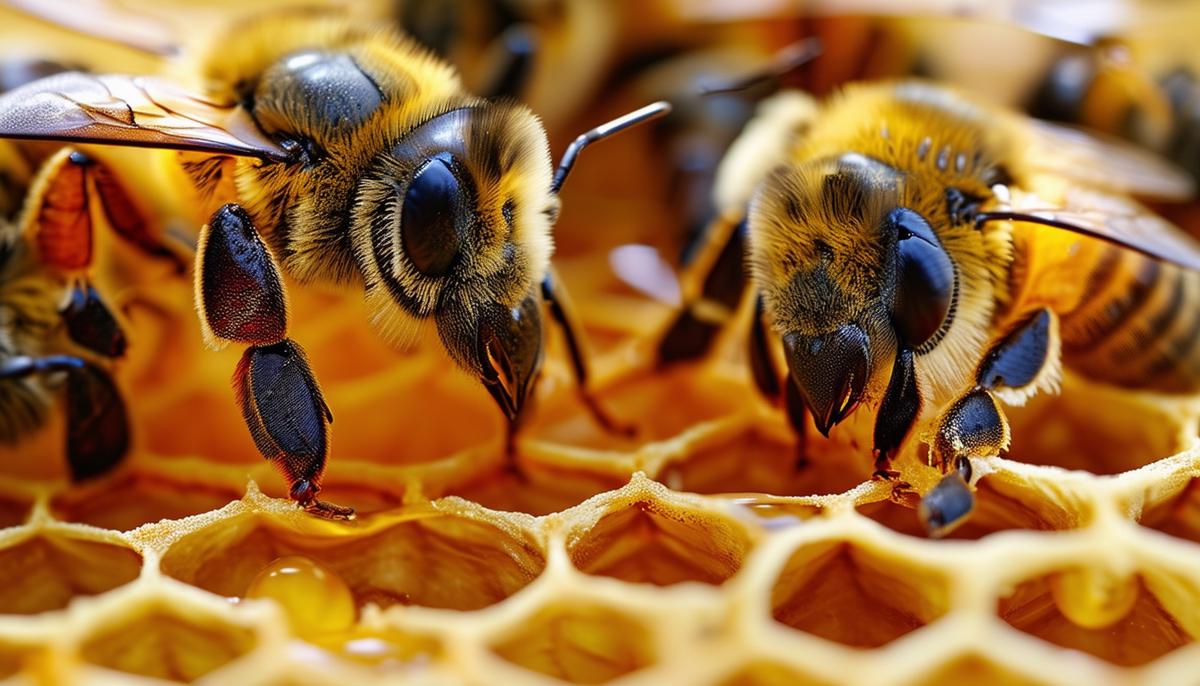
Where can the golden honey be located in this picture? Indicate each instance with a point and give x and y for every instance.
(691, 553)
(315, 600)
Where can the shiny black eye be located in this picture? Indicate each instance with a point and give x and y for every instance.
(428, 219)
(925, 278)
(309, 90)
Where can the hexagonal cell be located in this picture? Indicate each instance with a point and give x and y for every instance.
(159, 643)
(658, 543)
(132, 500)
(44, 572)
(1178, 516)
(429, 559)
(999, 506)
(1139, 634)
(845, 593)
(974, 669)
(578, 643)
(14, 511)
(770, 674)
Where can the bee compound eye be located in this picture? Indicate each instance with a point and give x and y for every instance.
(429, 223)
(925, 279)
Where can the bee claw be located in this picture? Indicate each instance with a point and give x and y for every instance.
(329, 511)
(886, 475)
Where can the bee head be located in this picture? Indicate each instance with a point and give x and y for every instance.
(452, 224)
(849, 269)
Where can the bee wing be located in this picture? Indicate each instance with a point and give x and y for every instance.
(1104, 163)
(103, 20)
(1111, 218)
(130, 110)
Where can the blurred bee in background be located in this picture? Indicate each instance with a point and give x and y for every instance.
(930, 258)
(1110, 88)
(347, 156)
(57, 335)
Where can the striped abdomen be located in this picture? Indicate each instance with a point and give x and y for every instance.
(1139, 325)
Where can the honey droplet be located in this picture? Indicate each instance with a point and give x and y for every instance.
(314, 598)
(1094, 598)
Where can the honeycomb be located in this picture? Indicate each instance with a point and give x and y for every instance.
(694, 552)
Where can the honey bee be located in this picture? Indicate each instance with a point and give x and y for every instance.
(1109, 89)
(344, 155)
(930, 258)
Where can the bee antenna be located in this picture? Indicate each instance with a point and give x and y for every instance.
(788, 59)
(652, 111)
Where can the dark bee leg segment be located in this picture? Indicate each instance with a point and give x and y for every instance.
(91, 324)
(560, 309)
(127, 220)
(973, 425)
(1015, 361)
(693, 331)
(797, 414)
(949, 502)
(97, 423)
(762, 365)
(897, 413)
(237, 283)
(288, 418)
(241, 298)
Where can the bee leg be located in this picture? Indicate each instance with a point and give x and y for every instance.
(97, 423)
(60, 222)
(797, 414)
(973, 426)
(91, 324)
(127, 220)
(560, 309)
(720, 260)
(1021, 362)
(949, 502)
(762, 365)
(897, 413)
(241, 298)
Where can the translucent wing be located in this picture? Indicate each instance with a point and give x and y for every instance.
(103, 20)
(1104, 163)
(130, 110)
(1111, 218)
